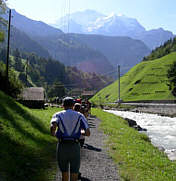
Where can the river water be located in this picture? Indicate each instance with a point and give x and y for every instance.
(161, 130)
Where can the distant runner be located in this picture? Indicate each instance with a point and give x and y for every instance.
(77, 107)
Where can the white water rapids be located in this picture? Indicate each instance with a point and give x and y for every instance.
(161, 130)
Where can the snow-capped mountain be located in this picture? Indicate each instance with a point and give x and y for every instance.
(114, 25)
(86, 17)
(78, 22)
(92, 22)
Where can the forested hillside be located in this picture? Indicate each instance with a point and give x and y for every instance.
(123, 51)
(165, 49)
(25, 44)
(54, 76)
(72, 52)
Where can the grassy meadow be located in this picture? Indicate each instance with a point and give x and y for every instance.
(136, 158)
(27, 151)
(145, 81)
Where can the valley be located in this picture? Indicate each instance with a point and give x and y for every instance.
(124, 65)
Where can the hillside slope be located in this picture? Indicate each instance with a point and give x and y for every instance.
(32, 27)
(145, 81)
(123, 51)
(72, 52)
(24, 43)
(26, 147)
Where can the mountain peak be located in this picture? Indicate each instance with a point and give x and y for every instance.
(110, 16)
(113, 14)
(121, 15)
(90, 11)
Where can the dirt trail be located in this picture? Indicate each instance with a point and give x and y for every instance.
(96, 165)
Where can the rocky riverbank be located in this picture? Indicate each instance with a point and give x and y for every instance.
(160, 109)
(163, 110)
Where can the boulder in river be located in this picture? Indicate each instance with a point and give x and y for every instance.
(134, 125)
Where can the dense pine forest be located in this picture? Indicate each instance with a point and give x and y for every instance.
(168, 47)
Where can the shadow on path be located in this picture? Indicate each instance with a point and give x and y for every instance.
(90, 147)
(92, 124)
(84, 179)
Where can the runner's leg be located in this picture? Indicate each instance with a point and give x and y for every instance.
(74, 176)
(65, 176)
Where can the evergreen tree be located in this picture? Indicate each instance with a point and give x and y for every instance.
(18, 63)
(3, 55)
(172, 78)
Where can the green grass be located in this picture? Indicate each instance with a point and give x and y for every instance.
(27, 151)
(145, 81)
(136, 158)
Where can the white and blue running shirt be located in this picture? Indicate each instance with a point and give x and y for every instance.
(69, 124)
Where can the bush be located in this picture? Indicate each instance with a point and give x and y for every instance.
(14, 85)
(172, 78)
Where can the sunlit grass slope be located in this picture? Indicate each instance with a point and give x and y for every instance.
(27, 151)
(145, 81)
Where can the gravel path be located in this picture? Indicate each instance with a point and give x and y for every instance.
(96, 165)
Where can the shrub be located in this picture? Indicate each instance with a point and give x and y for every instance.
(14, 85)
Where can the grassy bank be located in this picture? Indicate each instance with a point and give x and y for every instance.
(27, 151)
(145, 81)
(137, 159)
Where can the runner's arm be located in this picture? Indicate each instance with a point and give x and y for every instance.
(85, 126)
(53, 128)
(87, 132)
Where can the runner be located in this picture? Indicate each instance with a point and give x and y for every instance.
(66, 126)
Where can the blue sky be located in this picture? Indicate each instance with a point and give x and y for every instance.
(150, 13)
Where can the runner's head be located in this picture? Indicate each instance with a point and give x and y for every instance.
(77, 107)
(68, 103)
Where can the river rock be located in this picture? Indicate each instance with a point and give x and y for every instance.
(134, 125)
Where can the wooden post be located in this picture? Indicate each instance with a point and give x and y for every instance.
(119, 83)
(8, 48)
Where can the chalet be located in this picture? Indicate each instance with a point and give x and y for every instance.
(76, 92)
(87, 94)
(33, 97)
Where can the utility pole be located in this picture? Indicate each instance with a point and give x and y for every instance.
(119, 83)
(27, 63)
(8, 48)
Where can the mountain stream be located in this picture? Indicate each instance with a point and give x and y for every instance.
(161, 130)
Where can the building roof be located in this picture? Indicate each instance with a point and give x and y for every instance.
(33, 94)
(88, 93)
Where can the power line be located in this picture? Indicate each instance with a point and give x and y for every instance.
(69, 7)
